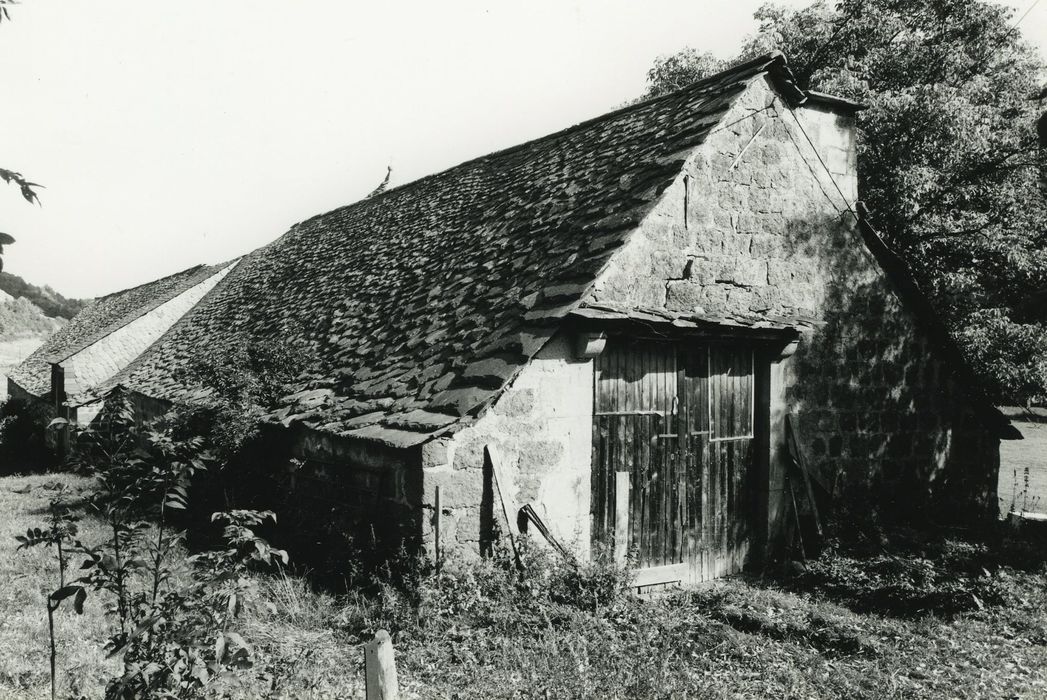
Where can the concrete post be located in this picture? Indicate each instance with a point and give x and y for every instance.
(380, 668)
(777, 452)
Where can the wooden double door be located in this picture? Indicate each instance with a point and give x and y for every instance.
(678, 419)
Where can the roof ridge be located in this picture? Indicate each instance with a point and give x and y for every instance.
(764, 62)
(187, 270)
(437, 297)
(193, 274)
(115, 380)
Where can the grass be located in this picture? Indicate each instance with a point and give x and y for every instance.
(26, 578)
(476, 631)
(1023, 470)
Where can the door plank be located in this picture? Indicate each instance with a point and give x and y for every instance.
(678, 421)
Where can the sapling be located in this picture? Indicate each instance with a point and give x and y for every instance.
(60, 531)
(174, 639)
(183, 638)
(111, 448)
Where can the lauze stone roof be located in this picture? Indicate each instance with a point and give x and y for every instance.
(420, 304)
(99, 319)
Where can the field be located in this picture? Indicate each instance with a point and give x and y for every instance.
(14, 351)
(1019, 458)
(936, 618)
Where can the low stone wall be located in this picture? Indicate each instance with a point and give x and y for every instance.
(348, 502)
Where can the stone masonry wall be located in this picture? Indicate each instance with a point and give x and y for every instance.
(342, 506)
(361, 490)
(754, 224)
(542, 430)
(104, 358)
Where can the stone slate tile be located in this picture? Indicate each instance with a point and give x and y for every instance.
(428, 299)
(100, 318)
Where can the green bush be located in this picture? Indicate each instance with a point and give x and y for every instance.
(590, 585)
(943, 582)
(23, 437)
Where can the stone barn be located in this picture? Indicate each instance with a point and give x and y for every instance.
(611, 325)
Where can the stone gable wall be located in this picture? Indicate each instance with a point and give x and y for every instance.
(754, 224)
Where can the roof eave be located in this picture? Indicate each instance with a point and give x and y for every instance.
(835, 103)
(641, 323)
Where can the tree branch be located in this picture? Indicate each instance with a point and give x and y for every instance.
(10, 176)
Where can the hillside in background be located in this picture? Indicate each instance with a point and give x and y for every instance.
(50, 302)
(21, 318)
(28, 316)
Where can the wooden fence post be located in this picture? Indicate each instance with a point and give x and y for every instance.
(380, 668)
(436, 528)
(491, 454)
(621, 516)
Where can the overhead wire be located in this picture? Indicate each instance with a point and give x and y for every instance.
(818, 155)
(1026, 14)
(832, 178)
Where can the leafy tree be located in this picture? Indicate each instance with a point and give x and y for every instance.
(680, 69)
(948, 153)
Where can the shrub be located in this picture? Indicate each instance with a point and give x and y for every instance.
(590, 585)
(23, 433)
(175, 638)
(903, 586)
(242, 379)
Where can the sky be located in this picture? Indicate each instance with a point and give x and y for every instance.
(173, 134)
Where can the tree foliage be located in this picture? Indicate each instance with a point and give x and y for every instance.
(680, 69)
(46, 299)
(948, 161)
(240, 382)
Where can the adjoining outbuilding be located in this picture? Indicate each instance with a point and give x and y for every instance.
(610, 325)
(107, 336)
